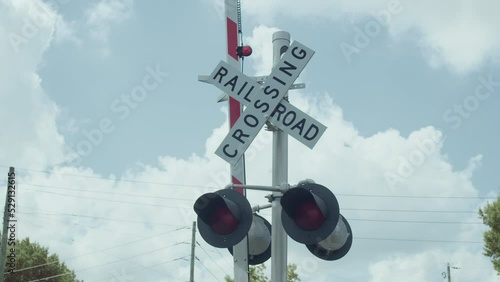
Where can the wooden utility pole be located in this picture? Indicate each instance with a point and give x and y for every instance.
(448, 272)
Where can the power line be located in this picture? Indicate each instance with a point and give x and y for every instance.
(164, 206)
(415, 196)
(142, 268)
(418, 211)
(190, 200)
(50, 277)
(86, 226)
(116, 246)
(145, 267)
(100, 218)
(67, 273)
(177, 207)
(418, 240)
(107, 200)
(108, 179)
(87, 246)
(158, 223)
(207, 269)
(223, 256)
(366, 238)
(203, 249)
(57, 213)
(199, 186)
(414, 221)
(100, 228)
(378, 239)
(384, 239)
(107, 230)
(108, 193)
(130, 261)
(134, 256)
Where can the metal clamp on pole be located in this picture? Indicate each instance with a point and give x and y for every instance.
(259, 208)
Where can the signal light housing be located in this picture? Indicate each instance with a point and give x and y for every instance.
(259, 241)
(244, 51)
(310, 213)
(224, 217)
(336, 245)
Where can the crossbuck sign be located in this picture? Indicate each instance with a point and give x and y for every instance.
(265, 102)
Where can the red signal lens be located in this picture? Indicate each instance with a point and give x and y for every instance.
(308, 216)
(223, 221)
(246, 50)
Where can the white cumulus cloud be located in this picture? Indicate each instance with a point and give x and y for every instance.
(105, 14)
(458, 34)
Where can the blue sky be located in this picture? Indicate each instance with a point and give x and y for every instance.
(427, 74)
(383, 87)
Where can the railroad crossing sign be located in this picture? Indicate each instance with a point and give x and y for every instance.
(265, 102)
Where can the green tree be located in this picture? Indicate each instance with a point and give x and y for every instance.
(292, 274)
(257, 274)
(491, 217)
(31, 254)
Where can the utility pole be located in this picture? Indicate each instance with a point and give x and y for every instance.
(193, 244)
(448, 271)
(281, 41)
(3, 250)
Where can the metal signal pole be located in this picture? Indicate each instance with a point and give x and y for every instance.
(281, 41)
(193, 244)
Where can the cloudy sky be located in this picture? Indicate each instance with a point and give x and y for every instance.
(113, 137)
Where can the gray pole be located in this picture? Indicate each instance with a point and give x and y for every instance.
(3, 250)
(233, 25)
(281, 41)
(193, 242)
(448, 271)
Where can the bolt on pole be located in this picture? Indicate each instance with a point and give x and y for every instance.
(281, 41)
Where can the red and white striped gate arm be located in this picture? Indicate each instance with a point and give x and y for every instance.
(240, 250)
(235, 108)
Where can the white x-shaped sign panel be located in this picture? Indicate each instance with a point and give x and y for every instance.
(265, 102)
